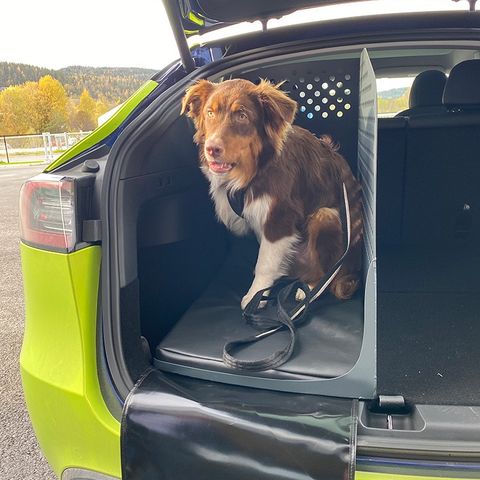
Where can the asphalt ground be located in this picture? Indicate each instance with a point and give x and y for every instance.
(20, 455)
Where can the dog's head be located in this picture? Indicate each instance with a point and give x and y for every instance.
(238, 121)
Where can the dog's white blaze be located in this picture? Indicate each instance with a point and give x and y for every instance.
(256, 213)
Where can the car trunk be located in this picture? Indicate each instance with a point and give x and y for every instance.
(409, 334)
(183, 274)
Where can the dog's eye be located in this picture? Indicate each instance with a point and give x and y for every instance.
(242, 116)
(210, 114)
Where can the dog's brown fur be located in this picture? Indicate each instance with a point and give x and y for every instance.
(301, 173)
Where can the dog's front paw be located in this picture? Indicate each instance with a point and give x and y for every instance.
(248, 298)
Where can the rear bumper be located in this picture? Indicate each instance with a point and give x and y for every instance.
(59, 361)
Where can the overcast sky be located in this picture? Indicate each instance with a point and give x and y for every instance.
(126, 33)
(59, 33)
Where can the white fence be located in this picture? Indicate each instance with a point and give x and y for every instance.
(37, 148)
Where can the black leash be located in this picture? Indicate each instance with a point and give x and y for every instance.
(268, 309)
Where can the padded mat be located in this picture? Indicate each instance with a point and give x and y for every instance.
(328, 343)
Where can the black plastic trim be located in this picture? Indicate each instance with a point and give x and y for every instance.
(444, 433)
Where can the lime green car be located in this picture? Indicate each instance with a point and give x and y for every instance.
(132, 287)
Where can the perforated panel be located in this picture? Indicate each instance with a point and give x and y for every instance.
(324, 97)
(327, 96)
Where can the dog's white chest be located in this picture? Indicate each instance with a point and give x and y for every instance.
(256, 214)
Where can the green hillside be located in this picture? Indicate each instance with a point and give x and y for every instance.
(113, 84)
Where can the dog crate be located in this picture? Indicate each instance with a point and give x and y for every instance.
(335, 349)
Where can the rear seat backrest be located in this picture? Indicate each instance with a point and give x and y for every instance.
(426, 94)
(462, 91)
(443, 166)
(390, 176)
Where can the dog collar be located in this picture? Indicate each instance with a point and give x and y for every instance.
(236, 200)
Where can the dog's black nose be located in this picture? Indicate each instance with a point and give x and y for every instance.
(213, 149)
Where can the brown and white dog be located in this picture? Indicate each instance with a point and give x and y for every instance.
(292, 182)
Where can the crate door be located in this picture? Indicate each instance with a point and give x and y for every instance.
(367, 156)
(364, 371)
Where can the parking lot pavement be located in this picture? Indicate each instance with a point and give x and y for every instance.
(20, 456)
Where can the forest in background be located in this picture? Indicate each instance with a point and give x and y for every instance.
(36, 100)
(394, 100)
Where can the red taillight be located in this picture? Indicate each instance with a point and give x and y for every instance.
(47, 212)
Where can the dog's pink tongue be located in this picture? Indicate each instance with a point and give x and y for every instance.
(220, 167)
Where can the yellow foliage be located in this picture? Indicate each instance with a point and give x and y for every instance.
(18, 114)
(85, 117)
(43, 106)
(393, 105)
(102, 107)
(52, 104)
(33, 107)
(87, 103)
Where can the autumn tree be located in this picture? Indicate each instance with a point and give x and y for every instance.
(51, 105)
(85, 117)
(13, 112)
(19, 113)
(36, 107)
(103, 106)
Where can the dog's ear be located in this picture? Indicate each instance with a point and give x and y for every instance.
(278, 112)
(195, 98)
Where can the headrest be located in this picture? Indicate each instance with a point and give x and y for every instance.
(427, 89)
(463, 84)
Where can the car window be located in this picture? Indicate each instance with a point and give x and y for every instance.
(393, 94)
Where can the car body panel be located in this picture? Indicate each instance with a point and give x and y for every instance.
(59, 361)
